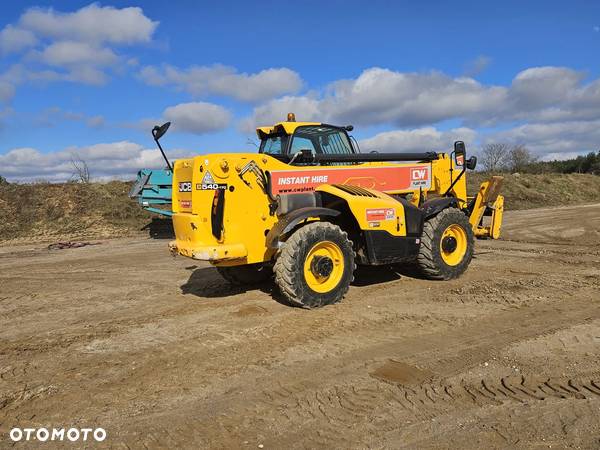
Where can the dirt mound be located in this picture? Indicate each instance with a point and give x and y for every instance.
(525, 191)
(45, 211)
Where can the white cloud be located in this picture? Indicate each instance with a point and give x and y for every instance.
(477, 66)
(547, 140)
(539, 87)
(79, 45)
(197, 117)
(83, 61)
(93, 23)
(417, 140)
(381, 96)
(307, 109)
(117, 159)
(53, 116)
(7, 91)
(69, 53)
(14, 39)
(95, 121)
(224, 80)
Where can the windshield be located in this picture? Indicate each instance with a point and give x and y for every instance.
(321, 140)
(316, 138)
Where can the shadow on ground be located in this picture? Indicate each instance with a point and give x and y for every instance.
(160, 228)
(207, 283)
(368, 275)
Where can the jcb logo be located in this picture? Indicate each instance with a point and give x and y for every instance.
(418, 174)
(185, 186)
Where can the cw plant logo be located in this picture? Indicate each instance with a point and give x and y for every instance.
(57, 434)
(419, 174)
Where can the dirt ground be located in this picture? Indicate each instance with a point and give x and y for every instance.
(161, 352)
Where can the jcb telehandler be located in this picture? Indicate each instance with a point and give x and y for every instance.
(309, 207)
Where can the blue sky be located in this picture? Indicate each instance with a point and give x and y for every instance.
(87, 80)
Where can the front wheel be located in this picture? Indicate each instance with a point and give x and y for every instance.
(315, 266)
(447, 245)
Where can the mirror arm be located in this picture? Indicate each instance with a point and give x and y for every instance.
(162, 152)
(157, 133)
(456, 180)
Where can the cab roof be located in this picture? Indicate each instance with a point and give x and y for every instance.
(286, 127)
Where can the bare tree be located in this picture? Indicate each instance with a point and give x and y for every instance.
(519, 158)
(250, 141)
(494, 157)
(81, 171)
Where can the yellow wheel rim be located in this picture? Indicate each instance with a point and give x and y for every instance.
(324, 266)
(453, 245)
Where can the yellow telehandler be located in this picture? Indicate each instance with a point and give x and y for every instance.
(308, 207)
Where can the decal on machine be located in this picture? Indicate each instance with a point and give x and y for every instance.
(379, 214)
(419, 177)
(185, 186)
(209, 183)
(400, 178)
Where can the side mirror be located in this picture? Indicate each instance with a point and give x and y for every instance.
(159, 131)
(459, 153)
(472, 163)
(459, 147)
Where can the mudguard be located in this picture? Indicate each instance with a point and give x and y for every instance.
(288, 221)
(434, 206)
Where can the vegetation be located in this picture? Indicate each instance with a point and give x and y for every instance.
(501, 157)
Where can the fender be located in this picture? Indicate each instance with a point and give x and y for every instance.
(434, 206)
(288, 221)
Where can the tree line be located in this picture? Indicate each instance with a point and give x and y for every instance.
(501, 157)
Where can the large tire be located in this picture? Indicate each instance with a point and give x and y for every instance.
(447, 245)
(315, 266)
(246, 275)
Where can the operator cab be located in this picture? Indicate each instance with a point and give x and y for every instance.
(290, 139)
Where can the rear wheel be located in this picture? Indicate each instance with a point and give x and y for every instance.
(315, 266)
(246, 274)
(447, 245)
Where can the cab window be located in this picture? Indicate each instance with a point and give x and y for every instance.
(321, 139)
(274, 144)
(302, 143)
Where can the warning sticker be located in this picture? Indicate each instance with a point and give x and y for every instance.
(208, 178)
(379, 214)
(386, 179)
(209, 183)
